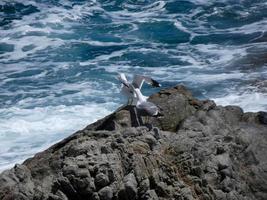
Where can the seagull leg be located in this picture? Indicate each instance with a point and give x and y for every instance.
(147, 119)
(136, 116)
(148, 125)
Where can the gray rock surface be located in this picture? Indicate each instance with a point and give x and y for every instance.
(197, 150)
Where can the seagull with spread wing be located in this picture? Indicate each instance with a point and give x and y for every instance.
(144, 107)
(137, 83)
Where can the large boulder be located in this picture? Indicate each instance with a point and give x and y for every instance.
(197, 150)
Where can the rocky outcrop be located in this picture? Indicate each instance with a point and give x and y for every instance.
(197, 150)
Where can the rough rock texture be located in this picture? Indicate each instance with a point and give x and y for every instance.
(197, 150)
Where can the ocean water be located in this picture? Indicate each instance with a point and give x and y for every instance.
(59, 60)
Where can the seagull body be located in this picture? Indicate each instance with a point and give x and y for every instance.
(147, 108)
(137, 83)
(144, 107)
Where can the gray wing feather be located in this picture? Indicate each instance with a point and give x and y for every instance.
(138, 81)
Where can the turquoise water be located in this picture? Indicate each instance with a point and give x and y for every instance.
(59, 60)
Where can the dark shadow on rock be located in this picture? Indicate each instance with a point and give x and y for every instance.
(127, 116)
(262, 117)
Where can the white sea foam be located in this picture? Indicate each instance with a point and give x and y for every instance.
(249, 101)
(180, 26)
(141, 13)
(37, 43)
(217, 54)
(25, 33)
(156, 6)
(204, 78)
(103, 58)
(23, 132)
(255, 27)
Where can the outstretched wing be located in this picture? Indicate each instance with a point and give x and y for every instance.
(138, 81)
(122, 78)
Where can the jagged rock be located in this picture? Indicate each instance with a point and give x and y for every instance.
(197, 150)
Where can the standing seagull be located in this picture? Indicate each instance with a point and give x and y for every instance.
(144, 107)
(137, 83)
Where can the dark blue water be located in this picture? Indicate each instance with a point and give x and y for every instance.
(59, 60)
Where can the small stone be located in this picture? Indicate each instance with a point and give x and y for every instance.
(105, 193)
(223, 161)
(187, 193)
(207, 197)
(220, 195)
(71, 169)
(150, 140)
(243, 138)
(101, 180)
(82, 164)
(130, 185)
(82, 172)
(65, 185)
(196, 171)
(95, 196)
(144, 186)
(208, 105)
(162, 190)
(130, 132)
(22, 172)
(91, 186)
(198, 189)
(157, 133)
(227, 172)
(150, 195)
(105, 149)
(220, 150)
(227, 185)
(210, 179)
(232, 195)
(119, 140)
(61, 195)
